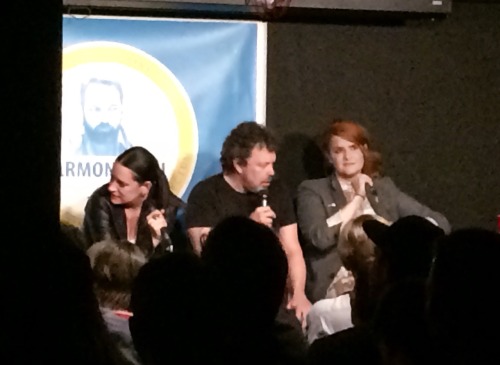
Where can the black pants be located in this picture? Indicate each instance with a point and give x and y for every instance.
(290, 337)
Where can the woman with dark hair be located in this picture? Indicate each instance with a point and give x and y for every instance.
(136, 205)
(355, 187)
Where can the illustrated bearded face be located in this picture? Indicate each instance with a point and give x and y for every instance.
(102, 108)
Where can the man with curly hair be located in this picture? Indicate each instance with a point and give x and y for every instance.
(246, 187)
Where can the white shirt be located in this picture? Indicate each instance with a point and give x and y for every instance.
(328, 316)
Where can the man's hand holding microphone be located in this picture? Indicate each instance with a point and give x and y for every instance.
(263, 214)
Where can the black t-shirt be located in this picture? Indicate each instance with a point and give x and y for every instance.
(213, 199)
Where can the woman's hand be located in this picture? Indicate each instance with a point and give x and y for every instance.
(359, 184)
(342, 283)
(156, 221)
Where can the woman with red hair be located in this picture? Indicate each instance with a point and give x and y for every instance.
(355, 187)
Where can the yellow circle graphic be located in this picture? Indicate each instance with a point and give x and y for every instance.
(165, 80)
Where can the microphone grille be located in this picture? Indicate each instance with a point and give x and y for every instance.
(263, 194)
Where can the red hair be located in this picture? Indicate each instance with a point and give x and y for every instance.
(357, 134)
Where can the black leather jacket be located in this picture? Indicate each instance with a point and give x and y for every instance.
(104, 220)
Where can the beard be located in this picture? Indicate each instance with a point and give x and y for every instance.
(102, 133)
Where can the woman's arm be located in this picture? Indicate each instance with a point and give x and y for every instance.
(408, 205)
(317, 227)
(96, 221)
(312, 219)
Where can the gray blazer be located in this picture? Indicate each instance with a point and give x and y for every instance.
(319, 199)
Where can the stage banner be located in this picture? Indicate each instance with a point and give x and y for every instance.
(175, 87)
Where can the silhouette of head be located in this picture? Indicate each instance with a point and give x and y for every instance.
(462, 302)
(172, 309)
(405, 248)
(249, 267)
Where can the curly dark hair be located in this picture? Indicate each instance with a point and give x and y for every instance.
(239, 144)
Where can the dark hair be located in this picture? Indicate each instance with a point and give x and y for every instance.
(170, 297)
(357, 134)
(74, 234)
(146, 168)
(462, 306)
(250, 266)
(61, 285)
(239, 144)
(399, 325)
(115, 266)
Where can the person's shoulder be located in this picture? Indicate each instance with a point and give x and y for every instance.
(206, 185)
(383, 182)
(98, 196)
(176, 201)
(209, 181)
(315, 183)
(100, 193)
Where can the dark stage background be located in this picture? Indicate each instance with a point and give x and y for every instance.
(428, 91)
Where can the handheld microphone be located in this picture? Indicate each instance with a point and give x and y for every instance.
(166, 238)
(372, 190)
(263, 195)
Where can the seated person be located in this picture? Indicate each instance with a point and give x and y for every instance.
(51, 314)
(173, 321)
(462, 305)
(254, 293)
(355, 187)
(400, 327)
(356, 252)
(247, 187)
(403, 252)
(115, 266)
(137, 204)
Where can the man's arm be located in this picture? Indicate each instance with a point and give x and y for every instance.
(297, 270)
(197, 236)
(200, 214)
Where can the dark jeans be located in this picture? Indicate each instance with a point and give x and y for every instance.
(290, 337)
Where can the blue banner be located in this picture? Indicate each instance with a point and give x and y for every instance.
(175, 87)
